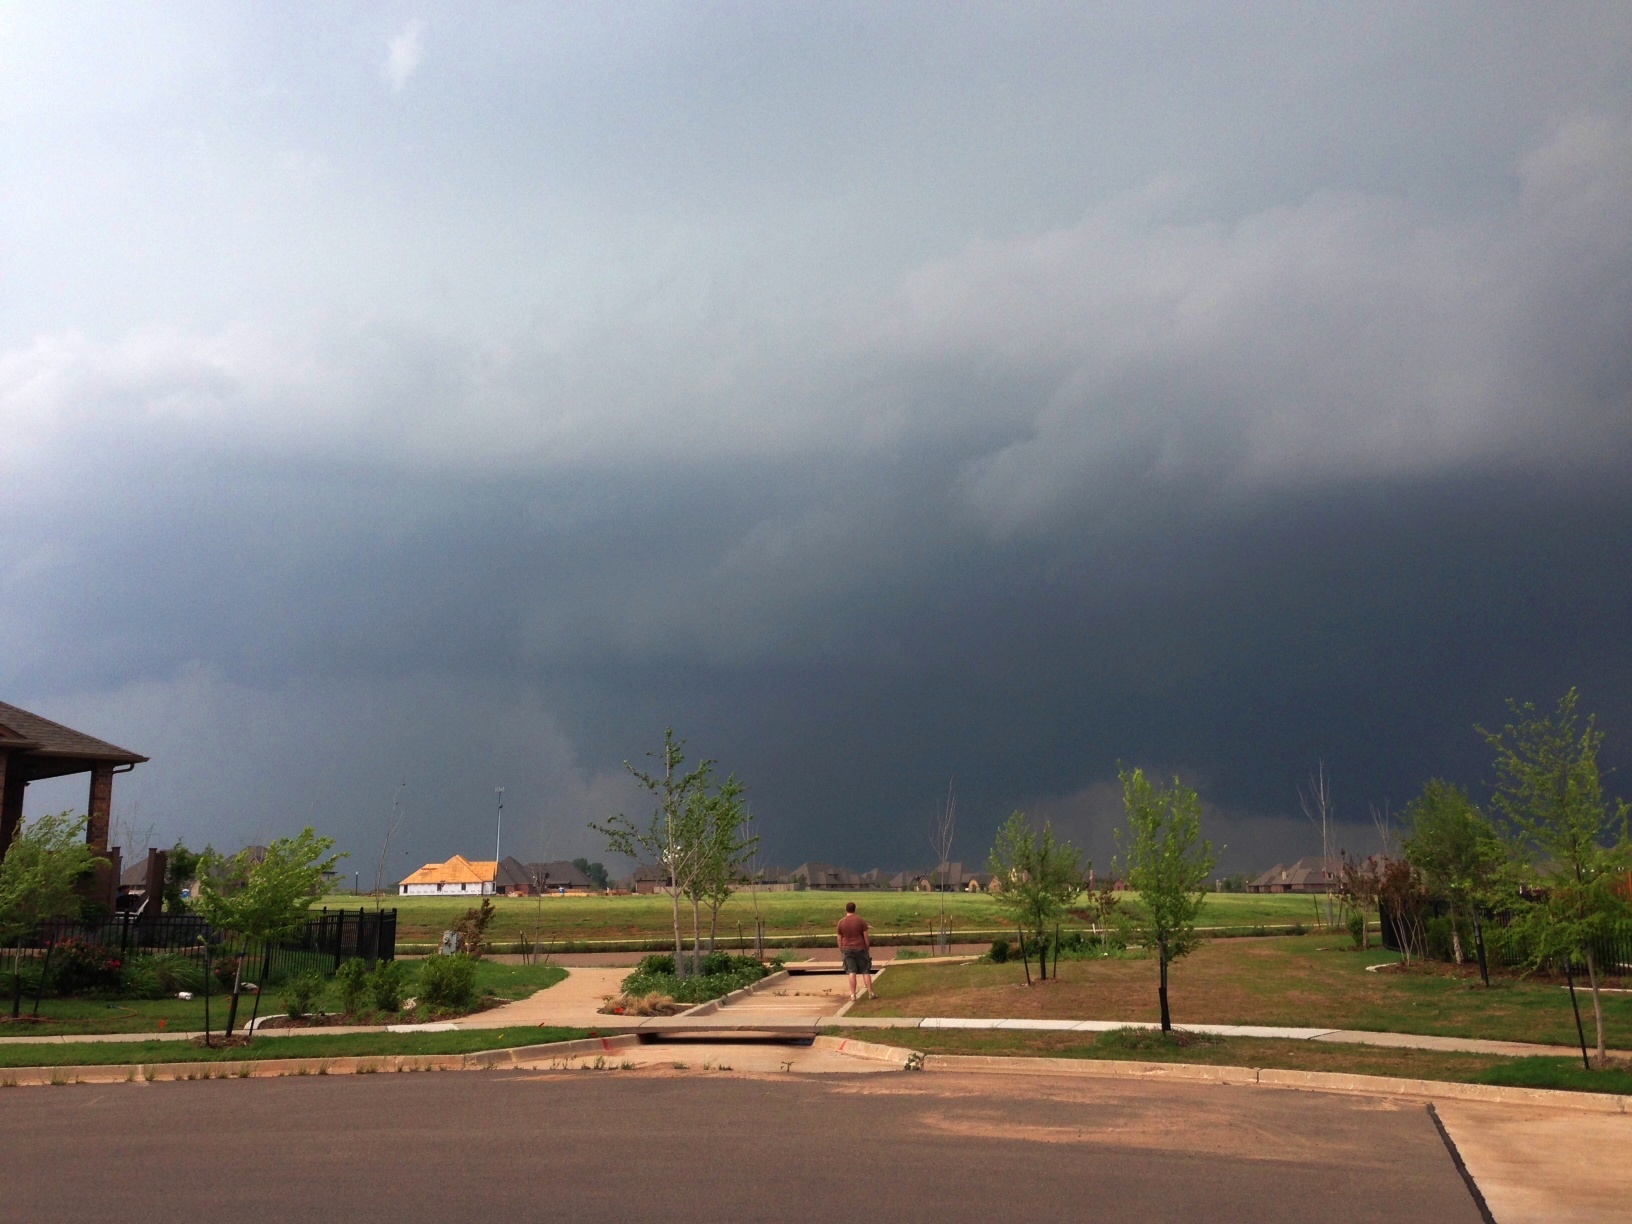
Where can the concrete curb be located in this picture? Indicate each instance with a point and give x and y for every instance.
(1269, 1077)
(714, 1005)
(871, 1050)
(274, 1068)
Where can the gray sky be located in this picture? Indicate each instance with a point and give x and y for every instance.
(878, 394)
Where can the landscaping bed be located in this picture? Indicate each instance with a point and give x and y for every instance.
(654, 990)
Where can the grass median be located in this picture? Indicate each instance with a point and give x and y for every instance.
(1311, 981)
(1143, 1046)
(342, 1045)
(804, 914)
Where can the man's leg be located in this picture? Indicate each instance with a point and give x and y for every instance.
(869, 976)
(852, 988)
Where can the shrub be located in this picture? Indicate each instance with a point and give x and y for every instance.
(1297, 928)
(225, 970)
(176, 973)
(302, 992)
(385, 983)
(140, 981)
(353, 980)
(472, 929)
(1000, 951)
(658, 962)
(1357, 928)
(447, 983)
(78, 967)
(738, 971)
(716, 962)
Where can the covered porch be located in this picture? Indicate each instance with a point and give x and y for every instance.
(33, 748)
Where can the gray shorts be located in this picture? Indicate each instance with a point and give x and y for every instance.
(857, 960)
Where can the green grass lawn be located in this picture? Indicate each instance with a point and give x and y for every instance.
(1560, 1073)
(59, 1016)
(1311, 981)
(810, 914)
(122, 1053)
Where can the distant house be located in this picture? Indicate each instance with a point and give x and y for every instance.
(458, 876)
(556, 878)
(646, 880)
(1307, 875)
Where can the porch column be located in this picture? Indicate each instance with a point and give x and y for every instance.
(98, 808)
(11, 802)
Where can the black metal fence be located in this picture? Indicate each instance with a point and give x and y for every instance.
(1505, 946)
(328, 940)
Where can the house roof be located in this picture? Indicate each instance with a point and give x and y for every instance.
(23, 731)
(559, 873)
(457, 870)
(1313, 870)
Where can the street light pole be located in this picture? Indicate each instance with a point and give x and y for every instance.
(497, 836)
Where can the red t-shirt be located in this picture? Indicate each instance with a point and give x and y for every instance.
(852, 931)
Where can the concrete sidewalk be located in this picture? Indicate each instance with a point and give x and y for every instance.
(804, 1006)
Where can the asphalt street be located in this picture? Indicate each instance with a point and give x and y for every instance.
(649, 1145)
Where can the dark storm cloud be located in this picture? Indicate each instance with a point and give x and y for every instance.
(1066, 416)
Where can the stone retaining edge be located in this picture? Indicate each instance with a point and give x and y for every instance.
(713, 1005)
(1269, 1077)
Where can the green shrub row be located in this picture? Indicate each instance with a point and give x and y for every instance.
(721, 974)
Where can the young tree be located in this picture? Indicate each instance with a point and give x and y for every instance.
(1039, 877)
(264, 901)
(1458, 852)
(1358, 884)
(39, 880)
(943, 830)
(1168, 864)
(1578, 848)
(727, 847)
(672, 840)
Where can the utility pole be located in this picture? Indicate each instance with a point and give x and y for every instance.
(497, 836)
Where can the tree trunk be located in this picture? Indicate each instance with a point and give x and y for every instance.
(266, 968)
(1479, 947)
(696, 938)
(232, 1008)
(1575, 1006)
(1167, 1020)
(206, 992)
(713, 926)
(1597, 1004)
(679, 946)
(1024, 957)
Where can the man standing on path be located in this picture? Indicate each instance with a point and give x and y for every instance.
(856, 949)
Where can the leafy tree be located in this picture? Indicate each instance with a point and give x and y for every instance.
(673, 840)
(596, 872)
(267, 900)
(727, 847)
(1169, 864)
(180, 870)
(39, 879)
(1458, 852)
(1039, 876)
(1577, 847)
